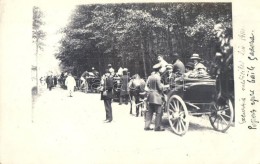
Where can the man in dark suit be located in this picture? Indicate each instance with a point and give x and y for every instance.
(154, 99)
(107, 94)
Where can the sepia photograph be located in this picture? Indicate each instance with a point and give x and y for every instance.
(129, 82)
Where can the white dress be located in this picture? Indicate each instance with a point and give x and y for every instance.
(70, 83)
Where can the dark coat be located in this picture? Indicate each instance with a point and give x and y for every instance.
(124, 90)
(155, 89)
(49, 81)
(108, 87)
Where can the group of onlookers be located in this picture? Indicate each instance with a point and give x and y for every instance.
(154, 86)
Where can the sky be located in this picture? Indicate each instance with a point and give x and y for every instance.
(55, 18)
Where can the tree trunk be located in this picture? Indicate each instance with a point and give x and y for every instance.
(143, 55)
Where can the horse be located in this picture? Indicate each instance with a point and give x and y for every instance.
(137, 93)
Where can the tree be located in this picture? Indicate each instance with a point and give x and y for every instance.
(132, 35)
(38, 36)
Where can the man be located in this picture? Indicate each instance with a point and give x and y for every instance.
(49, 81)
(178, 66)
(188, 69)
(154, 99)
(162, 63)
(111, 69)
(196, 61)
(106, 95)
(124, 91)
(199, 69)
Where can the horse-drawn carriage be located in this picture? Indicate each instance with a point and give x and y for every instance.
(196, 97)
(91, 84)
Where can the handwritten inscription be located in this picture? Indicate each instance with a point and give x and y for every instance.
(242, 74)
(254, 121)
(252, 97)
(251, 74)
(247, 79)
(243, 110)
(252, 47)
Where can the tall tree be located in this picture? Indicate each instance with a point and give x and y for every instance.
(38, 36)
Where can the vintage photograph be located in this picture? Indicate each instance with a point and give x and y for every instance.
(128, 82)
(142, 66)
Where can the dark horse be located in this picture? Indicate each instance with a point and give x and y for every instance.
(136, 86)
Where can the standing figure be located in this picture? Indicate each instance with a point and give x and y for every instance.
(162, 63)
(107, 94)
(154, 99)
(70, 83)
(178, 66)
(55, 80)
(111, 69)
(49, 81)
(124, 90)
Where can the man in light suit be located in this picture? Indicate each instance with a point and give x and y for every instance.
(154, 99)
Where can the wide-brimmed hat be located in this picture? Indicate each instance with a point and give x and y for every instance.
(195, 56)
(125, 69)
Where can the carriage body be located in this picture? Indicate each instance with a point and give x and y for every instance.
(191, 96)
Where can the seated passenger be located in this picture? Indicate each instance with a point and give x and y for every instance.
(199, 70)
(188, 69)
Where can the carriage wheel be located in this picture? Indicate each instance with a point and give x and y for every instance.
(222, 116)
(177, 115)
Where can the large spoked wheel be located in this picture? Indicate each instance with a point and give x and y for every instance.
(177, 115)
(222, 116)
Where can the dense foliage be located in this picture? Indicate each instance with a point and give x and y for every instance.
(132, 35)
(38, 34)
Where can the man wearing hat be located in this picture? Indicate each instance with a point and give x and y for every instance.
(199, 69)
(178, 66)
(107, 94)
(154, 99)
(197, 65)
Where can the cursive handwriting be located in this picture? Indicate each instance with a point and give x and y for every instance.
(251, 74)
(254, 121)
(252, 47)
(242, 73)
(243, 110)
(252, 97)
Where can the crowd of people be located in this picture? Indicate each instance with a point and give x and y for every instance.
(133, 88)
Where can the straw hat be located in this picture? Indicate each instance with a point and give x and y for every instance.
(195, 56)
